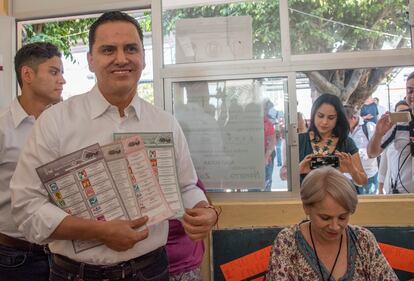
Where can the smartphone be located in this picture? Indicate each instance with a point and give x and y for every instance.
(326, 160)
(403, 116)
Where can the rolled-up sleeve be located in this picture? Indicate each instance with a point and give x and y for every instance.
(35, 216)
(187, 177)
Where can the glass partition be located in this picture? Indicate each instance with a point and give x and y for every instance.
(235, 130)
(374, 91)
(220, 31)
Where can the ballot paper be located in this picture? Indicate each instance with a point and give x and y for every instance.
(118, 166)
(151, 199)
(160, 151)
(80, 183)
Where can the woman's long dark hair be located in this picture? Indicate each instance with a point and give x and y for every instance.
(341, 129)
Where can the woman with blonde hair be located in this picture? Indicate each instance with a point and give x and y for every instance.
(326, 247)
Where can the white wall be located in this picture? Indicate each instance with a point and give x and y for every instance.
(24, 9)
(7, 51)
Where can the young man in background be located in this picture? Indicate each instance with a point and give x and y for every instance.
(39, 72)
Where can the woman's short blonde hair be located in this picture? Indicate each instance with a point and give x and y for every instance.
(327, 180)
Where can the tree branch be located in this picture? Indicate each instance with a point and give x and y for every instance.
(322, 84)
(377, 76)
(352, 84)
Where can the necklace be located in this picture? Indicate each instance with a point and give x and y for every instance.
(317, 258)
(321, 148)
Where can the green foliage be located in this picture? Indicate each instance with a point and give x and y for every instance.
(145, 22)
(64, 34)
(146, 92)
(332, 26)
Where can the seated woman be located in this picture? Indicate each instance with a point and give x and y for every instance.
(328, 134)
(326, 247)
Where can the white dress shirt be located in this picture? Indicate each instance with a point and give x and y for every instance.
(15, 126)
(71, 125)
(400, 162)
(370, 165)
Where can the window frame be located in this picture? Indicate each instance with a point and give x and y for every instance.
(291, 149)
(288, 65)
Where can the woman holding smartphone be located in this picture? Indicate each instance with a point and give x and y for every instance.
(328, 135)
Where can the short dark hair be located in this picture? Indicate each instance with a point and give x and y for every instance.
(401, 102)
(32, 55)
(410, 76)
(341, 129)
(113, 16)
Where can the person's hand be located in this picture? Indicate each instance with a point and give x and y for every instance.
(345, 162)
(267, 158)
(368, 116)
(283, 173)
(384, 124)
(304, 165)
(121, 235)
(197, 222)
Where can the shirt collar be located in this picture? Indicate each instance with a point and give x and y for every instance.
(99, 104)
(18, 113)
(135, 106)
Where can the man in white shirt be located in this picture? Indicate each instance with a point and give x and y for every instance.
(361, 132)
(401, 136)
(116, 56)
(39, 72)
(386, 171)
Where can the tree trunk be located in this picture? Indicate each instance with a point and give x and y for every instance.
(352, 86)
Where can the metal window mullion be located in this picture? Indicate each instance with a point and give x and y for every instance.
(157, 52)
(284, 29)
(310, 62)
(168, 95)
(291, 140)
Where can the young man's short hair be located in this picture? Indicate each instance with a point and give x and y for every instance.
(32, 55)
